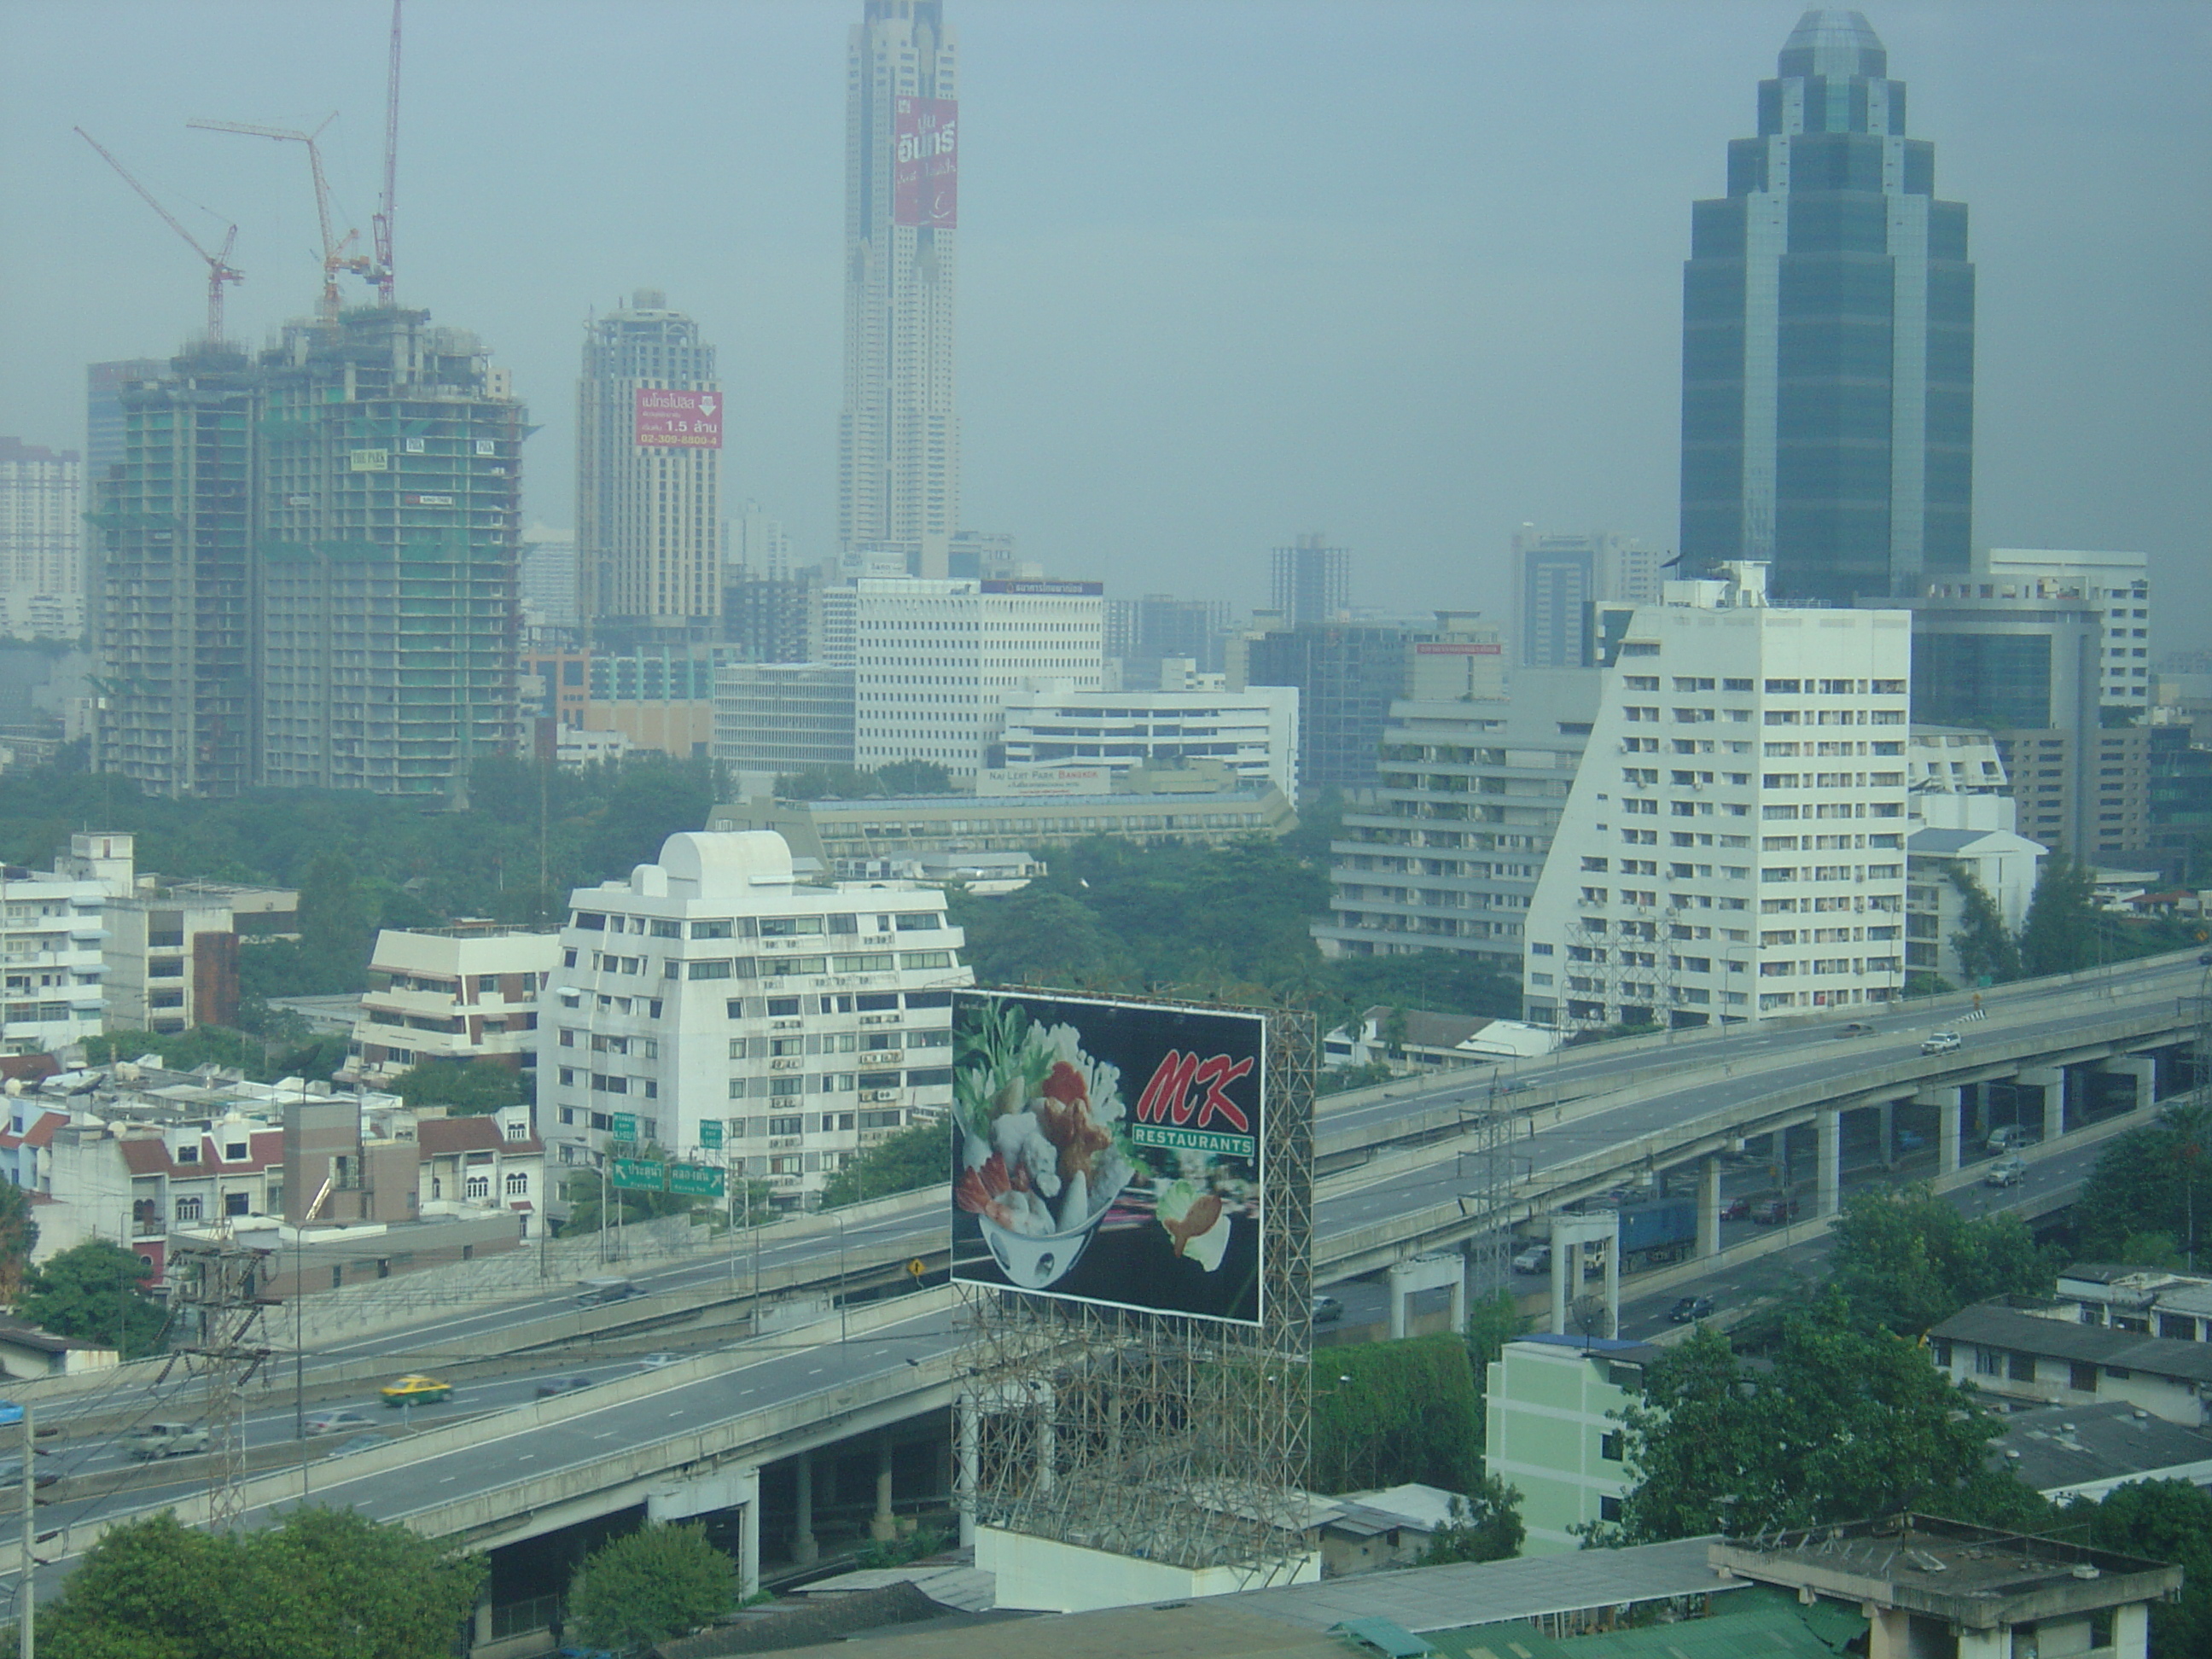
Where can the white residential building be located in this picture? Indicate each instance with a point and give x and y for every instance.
(805, 1023)
(50, 964)
(1733, 845)
(1254, 732)
(41, 542)
(934, 661)
(1964, 819)
(1446, 855)
(2117, 584)
(451, 994)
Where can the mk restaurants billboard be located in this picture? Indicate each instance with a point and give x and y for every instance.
(925, 165)
(1109, 1151)
(678, 420)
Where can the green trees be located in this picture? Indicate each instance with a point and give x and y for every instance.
(915, 777)
(659, 1582)
(89, 1292)
(906, 777)
(919, 1154)
(1987, 952)
(474, 1086)
(336, 928)
(1843, 1425)
(19, 1236)
(1486, 1528)
(2060, 933)
(2165, 1520)
(2151, 1182)
(1906, 1260)
(326, 1581)
(1388, 1412)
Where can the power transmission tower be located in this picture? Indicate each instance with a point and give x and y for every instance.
(217, 1283)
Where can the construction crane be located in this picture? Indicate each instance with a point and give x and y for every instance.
(337, 255)
(220, 270)
(380, 227)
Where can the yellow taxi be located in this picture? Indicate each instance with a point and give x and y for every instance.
(415, 1391)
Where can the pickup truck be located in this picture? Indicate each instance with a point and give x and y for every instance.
(165, 1440)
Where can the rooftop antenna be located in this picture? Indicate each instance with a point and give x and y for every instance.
(336, 254)
(380, 226)
(220, 270)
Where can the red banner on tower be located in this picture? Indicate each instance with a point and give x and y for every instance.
(926, 167)
(678, 420)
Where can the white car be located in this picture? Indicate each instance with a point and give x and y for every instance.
(1534, 1260)
(1940, 1043)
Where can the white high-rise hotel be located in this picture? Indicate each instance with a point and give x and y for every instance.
(898, 438)
(1733, 845)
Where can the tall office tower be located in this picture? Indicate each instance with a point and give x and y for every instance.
(41, 544)
(648, 469)
(757, 546)
(548, 578)
(1828, 339)
(1447, 854)
(1733, 847)
(1561, 577)
(1312, 582)
(390, 460)
(898, 437)
(170, 578)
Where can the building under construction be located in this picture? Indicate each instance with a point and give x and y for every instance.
(305, 565)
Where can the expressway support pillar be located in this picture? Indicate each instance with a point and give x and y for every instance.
(1949, 1104)
(804, 1549)
(1560, 1250)
(1888, 1110)
(883, 1526)
(1441, 1271)
(2143, 1068)
(1709, 1206)
(2049, 1082)
(1828, 1133)
(966, 1471)
(1613, 1284)
(748, 1539)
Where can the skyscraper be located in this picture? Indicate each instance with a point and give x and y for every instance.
(898, 437)
(1828, 338)
(1312, 581)
(648, 469)
(41, 547)
(1561, 577)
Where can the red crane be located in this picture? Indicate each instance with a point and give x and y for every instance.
(336, 255)
(220, 270)
(380, 226)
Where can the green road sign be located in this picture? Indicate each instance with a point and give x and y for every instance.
(625, 1126)
(640, 1175)
(710, 1132)
(695, 1181)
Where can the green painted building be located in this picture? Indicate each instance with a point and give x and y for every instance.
(1553, 1430)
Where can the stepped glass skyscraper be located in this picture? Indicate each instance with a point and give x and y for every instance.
(1828, 338)
(898, 438)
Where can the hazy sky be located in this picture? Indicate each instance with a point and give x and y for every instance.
(1406, 272)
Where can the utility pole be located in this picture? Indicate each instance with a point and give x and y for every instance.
(26, 1614)
(217, 1279)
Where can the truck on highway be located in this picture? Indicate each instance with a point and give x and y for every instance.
(1662, 1230)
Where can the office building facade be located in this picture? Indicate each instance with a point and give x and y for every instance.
(452, 994)
(1733, 848)
(1828, 339)
(1561, 577)
(783, 717)
(1253, 732)
(804, 1023)
(51, 992)
(2117, 584)
(1311, 582)
(41, 542)
(1447, 854)
(898, 435)
(648, 468)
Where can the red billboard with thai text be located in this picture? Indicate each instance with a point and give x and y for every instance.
(678, 420)
(926, 164)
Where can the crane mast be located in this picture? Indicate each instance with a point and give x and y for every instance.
(336, 255)
(380, 227)
(220, 270)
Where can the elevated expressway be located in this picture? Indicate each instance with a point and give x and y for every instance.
(2078, 1058)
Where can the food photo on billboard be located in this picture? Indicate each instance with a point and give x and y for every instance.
(1109, 1151)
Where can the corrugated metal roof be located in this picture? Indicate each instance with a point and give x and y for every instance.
(1763, 1623)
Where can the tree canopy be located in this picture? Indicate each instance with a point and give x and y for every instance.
(1389, 1413)
(651, 1584)
(464, 1089)
(917, 1156)
(1906, 1260)
(1843, 1425)
(90, 1291)
(326, 1582)
(2151, 1182)
(19, 1236)
(2059, 935)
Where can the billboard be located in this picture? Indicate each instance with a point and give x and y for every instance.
(926, 166)
(678, 420)
(1109, 1151)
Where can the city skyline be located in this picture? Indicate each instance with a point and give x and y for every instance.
(1434, 272)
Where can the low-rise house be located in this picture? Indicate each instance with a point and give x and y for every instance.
(1435, 1040)
(1372, 1531)
(2086, 1451)
(25, 1352)
(487, 1162)
(2019, 1355)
